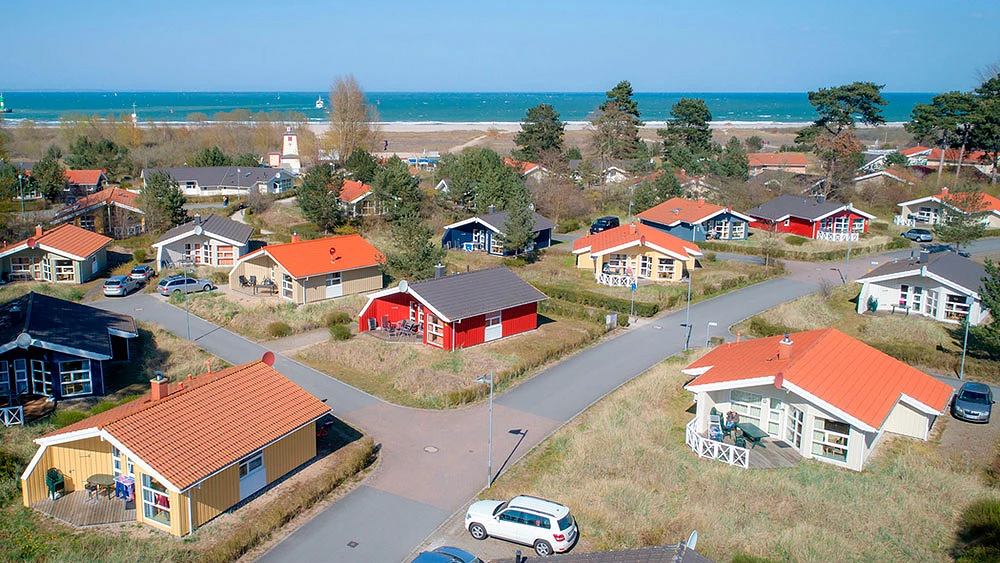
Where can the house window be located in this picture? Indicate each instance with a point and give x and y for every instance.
(251, 464)
(65, 270)
(74, 377)
(793, 426)
(46, 270)
(41, 379)
(840, 225)
(286, 286)
(20, 268)
(187, 252)
(20, 376)
(956, 307)
(155, 501)
(4, 379)
(435, 330)
(416, 314)
(225, 254)
(721, 229)
(858, 226)
(774, 417)
(918, 298)
(496, 244)
(617, 264)
(88, 223)
(747, 404)
(931, 304)
(120, 461)
(665, 266)
(739, 229)
(787, 221)
(904, 295)
(830, 439)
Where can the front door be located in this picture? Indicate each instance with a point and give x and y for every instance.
(41, 383)
(494, 327)
(334, 287)
(645, 267)
(253, 476)
(793, 426)
(774, 413)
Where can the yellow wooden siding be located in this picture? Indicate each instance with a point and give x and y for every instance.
(362, 280)
(261, 266)
(215, 495)
(76, 460)
(584, 262)
(289, 453)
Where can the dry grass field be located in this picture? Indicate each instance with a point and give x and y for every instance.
(625, 471)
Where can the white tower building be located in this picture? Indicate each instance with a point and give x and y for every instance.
(290, 152)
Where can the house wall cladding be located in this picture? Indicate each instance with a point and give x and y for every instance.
(76, 460)
(289, 453)
(51, 361)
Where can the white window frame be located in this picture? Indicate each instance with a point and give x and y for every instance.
(20, 268)
(39, 366)
(956, 307)
(287, 288)
(435, 328)
(738, 230)
(155, 501)
(252, 463)
(493, 319)
(79, 377)
(825, 440)
(20, 376)
(46, 269)
(666, 267)
(747, 404)
(65, 270)
(4, 378)
(496, 244)
(334, 279)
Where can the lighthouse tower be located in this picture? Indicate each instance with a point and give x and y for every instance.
(290, 152)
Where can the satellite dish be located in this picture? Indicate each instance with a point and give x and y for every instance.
(268, 358)
(403, 286)
(198, 230)
(30, 242)
(23, 340)
(692, 539)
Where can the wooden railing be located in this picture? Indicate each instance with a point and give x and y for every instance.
(10, 416)
(836, 236)
(615, 280)
(706, 447)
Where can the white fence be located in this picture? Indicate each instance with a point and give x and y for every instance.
(10, 416)
(836, 237)
(904, 221)
(615, 280)
(713, 449)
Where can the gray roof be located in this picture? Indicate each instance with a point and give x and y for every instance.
(656, 554)
(795, 206)
(62, 323)
(221, 227)
(498, 218)
(946, 265)
(460, 296)
(222, 176)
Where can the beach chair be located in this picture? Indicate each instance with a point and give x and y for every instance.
(244, 282)
(387, 326)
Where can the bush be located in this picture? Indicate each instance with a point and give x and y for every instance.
(568, 226)
(67, 417)
(980, 531)
(340, 332)
(336, 318)
(279, 329)
(795, 240)
(139, 255)
(514, 261)
(763, 329)
(623, 306)
(219, 278)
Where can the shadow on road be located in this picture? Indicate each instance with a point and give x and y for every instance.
(517, 432)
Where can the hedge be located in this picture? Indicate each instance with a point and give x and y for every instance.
(803, 255)
(590, 299)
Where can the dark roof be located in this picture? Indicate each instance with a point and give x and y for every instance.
(947, 265)
(219, 226)
(656, 554)
(796, 206)
(460, 296)
(223, 176)
(63, 324)
(498, 218)
(788, 180)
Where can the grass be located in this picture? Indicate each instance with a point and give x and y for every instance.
(625, 471)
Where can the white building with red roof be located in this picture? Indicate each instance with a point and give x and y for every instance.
(112, 211)
(785, 161)
(357, 199)
(928, 210)
(625, 254)
(65, 254)
(185, 452)
(825, 395)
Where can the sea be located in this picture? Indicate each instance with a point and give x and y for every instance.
(757, 109)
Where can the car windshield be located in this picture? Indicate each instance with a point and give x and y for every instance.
(974, 397)
(499, 508)
(566, 522)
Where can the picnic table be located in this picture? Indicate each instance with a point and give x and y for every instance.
(752, 433)
(102, 481)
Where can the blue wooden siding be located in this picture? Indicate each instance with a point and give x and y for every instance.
(699, 232)
(461, 236)
(52, 360)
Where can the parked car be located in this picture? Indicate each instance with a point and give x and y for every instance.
(973, 402)
(545, 525)
(120, 286)
(447, 554)
(142, 273)
(604, 223)
(919, 235)
(178, 284)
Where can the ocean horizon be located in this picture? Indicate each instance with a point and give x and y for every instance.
(424, 107)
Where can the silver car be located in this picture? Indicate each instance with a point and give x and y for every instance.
(120, 286)
(182, 284)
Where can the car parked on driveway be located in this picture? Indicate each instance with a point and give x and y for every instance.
(545, 525)
(120, 286)
(604, 223)
(142, 273)
(446, 554)
(919, 235)
(973, 402)
(182, 284)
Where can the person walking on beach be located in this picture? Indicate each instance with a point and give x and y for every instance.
(385, 146)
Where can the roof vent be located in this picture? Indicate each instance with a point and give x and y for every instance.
(493, 208)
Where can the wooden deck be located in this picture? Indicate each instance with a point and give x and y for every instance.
(773, 454)
(78, 509)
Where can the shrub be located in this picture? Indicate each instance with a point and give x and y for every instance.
(795, 240)
(514, 262)
(340, 332)
(762, 328)
(568, 226)
(336, 318)
(278, 329)
(139, 255)
(980, 530)
(67, 417)
(219, 278)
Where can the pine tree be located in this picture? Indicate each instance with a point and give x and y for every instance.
(319, 197)
(541, 133)
(162, 202)
(416, 253)
(395, 190)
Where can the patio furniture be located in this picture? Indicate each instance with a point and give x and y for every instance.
(102, 481)
(253, 281)
(387, 326)
(269, 285)
(740, 442)
(751, 432)
(55, 482)
(244, 282)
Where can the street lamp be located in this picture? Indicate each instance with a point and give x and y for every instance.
(489, 463)
(850, 231)
(708, 333)
(20, 191)
(687, 317)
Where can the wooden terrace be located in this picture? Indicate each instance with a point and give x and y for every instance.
(82, 509)
(770, 454)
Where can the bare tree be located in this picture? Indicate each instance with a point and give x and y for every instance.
(353, 121)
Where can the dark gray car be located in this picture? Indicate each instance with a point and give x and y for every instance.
(974, 403)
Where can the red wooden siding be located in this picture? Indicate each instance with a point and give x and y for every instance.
(803, 227)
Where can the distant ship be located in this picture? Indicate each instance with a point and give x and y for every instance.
(319, 102)
(3, 106)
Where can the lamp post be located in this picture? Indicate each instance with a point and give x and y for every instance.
(687, 317)
(850, 231)
(20, 191)
(489, 463)
(708, 333)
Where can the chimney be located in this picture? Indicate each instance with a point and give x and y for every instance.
(785, 348)
(159, 386)
(38, 230)
(925, 256)
(197, 217)
(820, 198)
(439, 270)
(492, 208)
(295, 236)
(944, 191)
(701, 201)
(683, 172)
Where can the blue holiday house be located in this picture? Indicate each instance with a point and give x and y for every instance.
(484, 233)
(696, 220)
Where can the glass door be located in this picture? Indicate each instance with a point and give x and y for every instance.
(41, 383)
(793, 426)
(774, 413)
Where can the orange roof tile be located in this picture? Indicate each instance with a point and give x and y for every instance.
(680, 209)
(951, 155)
(353, 189)
(67, 239)
(839, 370)
(963, 200)
(631, 234)
(776, 159)
(107, 196)
(522, 166)
(209, 422)
(913, 150)
(84, 177)
(322, 256)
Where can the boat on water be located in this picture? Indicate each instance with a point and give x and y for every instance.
(319, 102)
(3, 106)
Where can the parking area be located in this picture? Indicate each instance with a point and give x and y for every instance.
(969, 444)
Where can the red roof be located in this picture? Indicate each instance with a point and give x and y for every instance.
(353, 189)
(964, 200)
(208, 422)
(67, 239)
(85, 177)
(680, 209)
(776, 159)
(522, 166)
(631, 234)
(914, 150)
(322, 256)
(951, 155)
(840, 371)
(107, 196)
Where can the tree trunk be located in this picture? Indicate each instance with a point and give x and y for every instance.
(961, 152)
(941, 160)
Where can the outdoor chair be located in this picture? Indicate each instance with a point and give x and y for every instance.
(244, 282)
(741, 442)
(253, 281)
(55, 482)
(387, 326)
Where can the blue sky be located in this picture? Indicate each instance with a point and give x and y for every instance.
(468, 46)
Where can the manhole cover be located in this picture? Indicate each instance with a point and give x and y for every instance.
(352, 544)
(431, 450)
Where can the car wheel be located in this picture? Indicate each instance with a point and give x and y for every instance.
(542, 548)
(477, 531)
(208, 287)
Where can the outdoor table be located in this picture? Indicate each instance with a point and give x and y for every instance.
(752, 433)
(102, 481)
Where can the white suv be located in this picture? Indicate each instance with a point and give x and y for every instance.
(545, 525)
